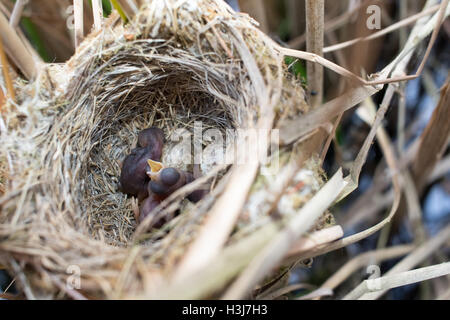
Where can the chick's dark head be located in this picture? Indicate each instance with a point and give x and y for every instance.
(166, 181)
(152, 138)
(133, 178)
(170, 176)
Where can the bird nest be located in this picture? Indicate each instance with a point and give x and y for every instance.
(175, 65)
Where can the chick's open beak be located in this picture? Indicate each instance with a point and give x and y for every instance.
(155, 169)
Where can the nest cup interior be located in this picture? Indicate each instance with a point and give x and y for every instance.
(132, 92)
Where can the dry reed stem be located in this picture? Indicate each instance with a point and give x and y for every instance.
(414, 258)
(433, 141)
(352, 180)
(78, 21)
(292, 130)
(2, 102)
(316, 294)
(368, 113)
(370, 257)
(257, 10)
(413, 207)
(16, 50)
(219, 272)
(314, 11)
(433, 26)
(402, 23)
(315, 239)
(226, 210)
(133, 6)
(274, 252)
(10, 93)
(17, 13)
(397, 280)
(332, 135)
(375, 120)
(374, 195)
(441, 169)
(97, 12)
(332, 24)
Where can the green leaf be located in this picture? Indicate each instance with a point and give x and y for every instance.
(106, 8)
(32, 34)
(297, 67)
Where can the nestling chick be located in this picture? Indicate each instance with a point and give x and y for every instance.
(147, 207)
(133, 178)
(152, 136)
(168, 180)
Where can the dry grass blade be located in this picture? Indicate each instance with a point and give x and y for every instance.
(440, 169)
(433, 26)
(16, 50)
(321, 292)
(333, 24)
(315, 239)
(97, 11)
(433, 140)
(314, 43)
(391, 28)
(133, 6)
(352, 179)
(375, 256)
(74, 294)
(17, 12)
(2, 102)
(274, 252)
(7, 78)
(226, 210)
(414, 258)
(291, 130)
(257, 10)
(400, 279)
(294, 129)
(219, 272)
(78, 21)
(222, 218)
(413, 207)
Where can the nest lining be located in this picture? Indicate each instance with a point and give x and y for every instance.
(63, 204)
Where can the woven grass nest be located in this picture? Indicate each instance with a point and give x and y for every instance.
(175, 63)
